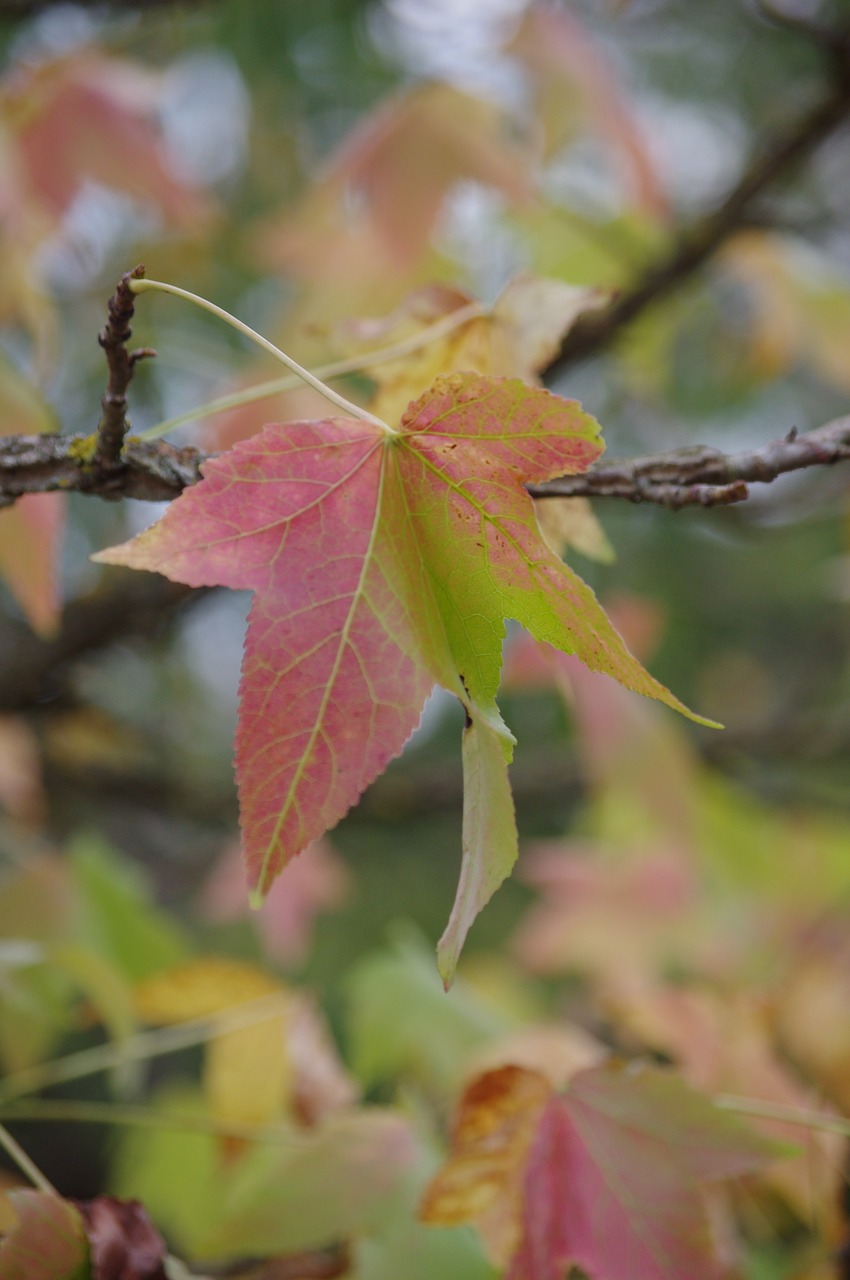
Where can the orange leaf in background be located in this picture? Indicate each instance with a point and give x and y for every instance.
(799, 309)
(401, 162)
(30, 534)
(65, 122)
(21, 782)
(320, 1083)
(31, 530)
(491, 1142)
(608, 1176)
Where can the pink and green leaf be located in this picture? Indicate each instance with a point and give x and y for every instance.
(385, 562)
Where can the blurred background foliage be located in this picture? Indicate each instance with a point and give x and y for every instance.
(225, 162)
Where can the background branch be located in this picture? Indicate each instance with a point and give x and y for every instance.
(696, 244)
(33, 668)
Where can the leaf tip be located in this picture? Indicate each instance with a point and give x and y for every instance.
(256, 897)
(447, 959)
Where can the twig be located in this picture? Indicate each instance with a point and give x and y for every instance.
(695, 245)
(121, 365)
(702, 476)
(33, 669)
(699, 476)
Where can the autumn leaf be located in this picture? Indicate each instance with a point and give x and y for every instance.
(87, 116)
(247, 1077)
(66, 121)
(31, 530)
(607, 1176)
(400, 164)
(516, 337)
(385, 562)
(125, 1245)
(576, 90)
(316, 883)
(47, 1243)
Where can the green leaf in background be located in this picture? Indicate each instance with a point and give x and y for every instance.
(118, 915)
(402, 1022)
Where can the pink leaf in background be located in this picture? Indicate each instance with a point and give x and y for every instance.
(608, 1176)
(49, 1241)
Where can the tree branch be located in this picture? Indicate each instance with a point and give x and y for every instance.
(702, 476)
(33, 668)
(696, 476)
(155, 471)
(695, 245)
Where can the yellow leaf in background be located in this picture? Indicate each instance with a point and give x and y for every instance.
(517, 337)
(200, 988)
(531, 316)
(800, 309)
(247, 1076)
(571, 522)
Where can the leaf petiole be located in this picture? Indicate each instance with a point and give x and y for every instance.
(349, 408)
(334, 369)
(760, 1109)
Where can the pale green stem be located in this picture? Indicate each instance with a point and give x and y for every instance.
(336, 369)
(779, 1111)
(15, 1152)
(348, 406)
(147, 1044)
(69, 1110)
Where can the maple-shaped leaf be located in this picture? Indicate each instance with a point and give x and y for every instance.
(517, 337)
(384, 562)
(607, 1176)
(401, 162)
(87, 116)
